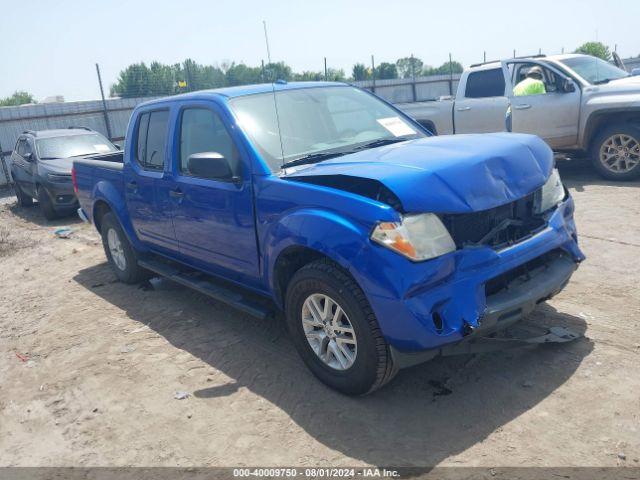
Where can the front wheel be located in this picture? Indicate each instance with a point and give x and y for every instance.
(120, 254)
(24, 200)
(616, 152)
(46, 205)
(335, 331)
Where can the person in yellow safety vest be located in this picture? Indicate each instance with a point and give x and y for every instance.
(532, 85)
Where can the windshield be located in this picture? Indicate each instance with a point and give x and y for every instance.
(73, 146)
(594, 70)
(313, 124)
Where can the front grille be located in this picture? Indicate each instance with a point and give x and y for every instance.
(496, 227)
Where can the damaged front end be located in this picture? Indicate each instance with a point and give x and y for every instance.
(511, 238)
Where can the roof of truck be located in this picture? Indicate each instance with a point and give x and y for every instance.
(239, 91)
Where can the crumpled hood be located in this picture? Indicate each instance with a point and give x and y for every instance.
(450, 174)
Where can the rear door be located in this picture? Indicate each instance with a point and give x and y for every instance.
(144, 176)
(482, 104)
(214, 219)
(554, 115)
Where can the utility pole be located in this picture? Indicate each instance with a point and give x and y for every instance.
(266, 40)
(373, 74)
(326, 76)
(450, 75)
(484, 57)
(413, 78)
(104, 104)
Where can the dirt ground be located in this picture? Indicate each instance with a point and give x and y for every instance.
(89, 368)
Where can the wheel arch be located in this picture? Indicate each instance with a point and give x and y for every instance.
(598, 120)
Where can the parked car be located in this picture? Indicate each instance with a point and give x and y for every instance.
(41, 166)
(590, 107)
(381, 244)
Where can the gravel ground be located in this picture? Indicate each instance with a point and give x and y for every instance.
(89, 369)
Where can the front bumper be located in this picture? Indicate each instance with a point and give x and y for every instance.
(61, 194)
(422, 307)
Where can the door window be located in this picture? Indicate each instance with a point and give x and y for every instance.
(202, 130)
(21, 146)
(151, 139)
(485, 83)
(550, 79)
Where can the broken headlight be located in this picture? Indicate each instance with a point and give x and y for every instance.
(551, 193)
(417, 237)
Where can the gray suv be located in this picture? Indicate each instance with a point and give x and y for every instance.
(41, 166)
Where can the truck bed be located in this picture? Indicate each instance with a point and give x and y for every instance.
(94, 170)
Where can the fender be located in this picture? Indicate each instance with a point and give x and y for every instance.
(322, 231)
(628, 114)
(106, 192)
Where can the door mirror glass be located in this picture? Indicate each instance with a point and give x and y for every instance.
(28, 156)
(210, 165)
(568, 86)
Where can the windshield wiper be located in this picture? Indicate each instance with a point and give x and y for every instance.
(312, 158)
(600, 82)
(378, 143)
(49, 158)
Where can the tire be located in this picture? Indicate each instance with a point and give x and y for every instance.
(24, 200)
(46, 205)
(613, 159)
(129, 271)
(372, 365)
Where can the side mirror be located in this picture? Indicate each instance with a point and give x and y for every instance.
(568, 86)
(211, 165)
(28, 157)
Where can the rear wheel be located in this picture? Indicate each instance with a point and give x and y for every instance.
(24, 200)
(616, 152)
(46, 205)
(335, 331)
(121, 255)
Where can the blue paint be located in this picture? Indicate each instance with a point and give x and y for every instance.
(239, 230)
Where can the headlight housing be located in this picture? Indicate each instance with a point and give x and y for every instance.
(417, 237)
(552, 192)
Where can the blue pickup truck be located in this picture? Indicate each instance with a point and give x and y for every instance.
(384, 246)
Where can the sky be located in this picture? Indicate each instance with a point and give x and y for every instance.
(51, 47)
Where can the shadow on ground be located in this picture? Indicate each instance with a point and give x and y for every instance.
(428, 413)
(34, 215)
(578, 173)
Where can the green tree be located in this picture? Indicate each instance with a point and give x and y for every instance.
(407, 66)
(386, 70)
(278, 71)
(18, 98)
(595, 49)
(444, 69)
(360, 72)
(308, 76)
(241, 74)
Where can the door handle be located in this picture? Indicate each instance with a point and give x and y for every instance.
(132, 186)
(177, 193)
(522, 106)
(463, 109)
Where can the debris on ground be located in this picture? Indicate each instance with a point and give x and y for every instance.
(181, 395)
(63, 232)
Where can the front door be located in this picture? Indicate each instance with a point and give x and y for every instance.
(144, 178)
(213, 218)
(552, 115)
(23, 163)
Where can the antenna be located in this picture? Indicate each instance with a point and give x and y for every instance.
(266, 40)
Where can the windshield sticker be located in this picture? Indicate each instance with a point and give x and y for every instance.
(396, 126)
(101, 148)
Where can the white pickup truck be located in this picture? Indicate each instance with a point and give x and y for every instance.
(590, 106)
